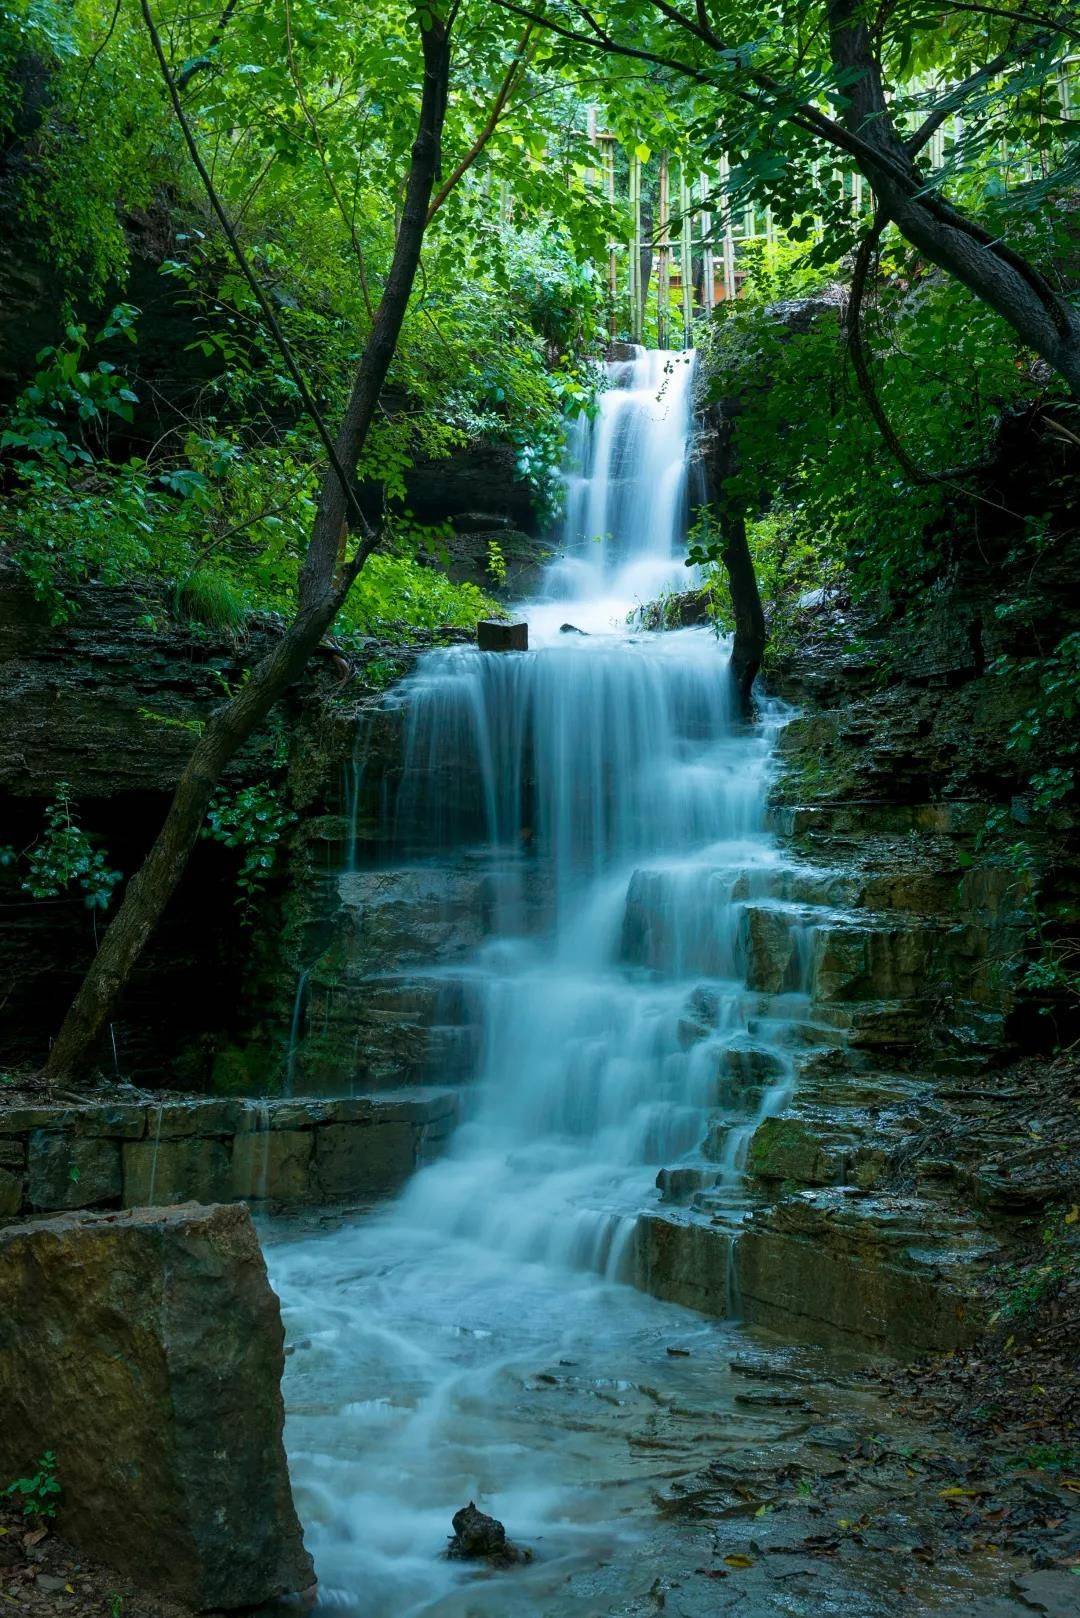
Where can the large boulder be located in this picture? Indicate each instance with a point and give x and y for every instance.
(146, 1349)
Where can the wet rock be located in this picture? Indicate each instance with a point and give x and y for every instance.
(405, 917)
(71, 1173)
(747, 1066)
(682, 1260)
(790, 1149)
(163, 1343)
(479, 483)
(767, 941)
(469, 554)
(375, 1160)
(572, 629)
(891, 1273)
(162, 1173)
(200, 1115)
(273, 1165)
(864, 963)
(479, 1538)
(11, 1190)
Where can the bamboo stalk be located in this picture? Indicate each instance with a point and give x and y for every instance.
(635, 248)
(708, 266)
(607, 160)
(729, 238)
(663, 276)
(686, 257)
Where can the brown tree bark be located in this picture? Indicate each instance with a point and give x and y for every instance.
(323, 588)
(748, 647)
(990, 269)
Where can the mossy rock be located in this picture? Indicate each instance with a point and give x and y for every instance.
(787, 1149)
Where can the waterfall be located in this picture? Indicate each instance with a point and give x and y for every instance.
(614, 803)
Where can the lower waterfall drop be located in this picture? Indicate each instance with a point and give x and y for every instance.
(474, 1339)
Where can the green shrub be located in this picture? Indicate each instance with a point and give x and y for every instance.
(212, 598)
(39, 1493)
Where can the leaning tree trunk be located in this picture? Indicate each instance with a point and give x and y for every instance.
(323, 588)
(989, 268)
(748, 647)
(721, 465)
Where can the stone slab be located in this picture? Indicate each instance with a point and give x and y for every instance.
(860, 1273)
(683, 1261)
(11, 1193)
(71, 1171)
(363, 1160)
(273, 1165)
(163, 1348)
(161, 1173)
(494, 636)
(174, 1120)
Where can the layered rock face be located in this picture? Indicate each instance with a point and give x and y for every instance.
(879, 1197)
(155, 1338)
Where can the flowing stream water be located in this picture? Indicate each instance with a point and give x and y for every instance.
(476, 1339)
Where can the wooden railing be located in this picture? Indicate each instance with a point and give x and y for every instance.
(694, 255)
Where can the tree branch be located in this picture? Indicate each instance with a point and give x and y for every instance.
(959, 93)
(857, 349)
(1040, 21)
(490, 125)
(860, 361)
(196, 65)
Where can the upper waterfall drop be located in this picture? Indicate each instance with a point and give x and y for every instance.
(624, 528)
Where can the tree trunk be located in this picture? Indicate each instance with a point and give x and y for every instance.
(748, 647)
(322, 590)
(985, 265)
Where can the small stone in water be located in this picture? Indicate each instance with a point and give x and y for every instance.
(478, 1537)
(572, 629)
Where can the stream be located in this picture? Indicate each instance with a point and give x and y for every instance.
(477, 1339)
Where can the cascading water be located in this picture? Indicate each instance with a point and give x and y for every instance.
(600, 790)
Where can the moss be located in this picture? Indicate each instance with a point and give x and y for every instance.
(247, 1070)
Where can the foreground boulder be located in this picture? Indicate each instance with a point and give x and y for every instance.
(480, 1538)
(146, 1349)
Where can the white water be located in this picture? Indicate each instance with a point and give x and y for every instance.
(606, 791)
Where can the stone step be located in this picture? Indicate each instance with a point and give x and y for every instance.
(860, 820)
(288, 1150)
(837, 1266)
(888, 1273)
(809, 1149)
(682, 920)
